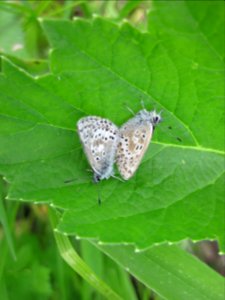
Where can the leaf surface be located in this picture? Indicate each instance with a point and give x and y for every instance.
(164, 267)
(96, 67)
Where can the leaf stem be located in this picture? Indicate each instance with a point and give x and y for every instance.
(71, 257)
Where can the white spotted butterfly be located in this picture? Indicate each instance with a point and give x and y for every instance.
(100, 139)
(135, 136)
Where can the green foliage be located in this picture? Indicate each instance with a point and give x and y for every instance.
(97, 66)
(177, 191)
(4, 220)
(170, 271)
(74, 260)
(11, 35)
(38, 272)
(105, 268)
(20, 32)
(29, 276)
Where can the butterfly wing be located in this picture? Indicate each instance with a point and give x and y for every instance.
(99, 138)
(134, 140)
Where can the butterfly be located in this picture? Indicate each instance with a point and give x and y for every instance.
(99, 138)
(135, 136)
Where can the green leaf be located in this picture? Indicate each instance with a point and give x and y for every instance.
(5, 222)
(192, 21)
(105, 268)
(27, 277)
(96, 67)
(11, 32)
(169, 271)
(72, 258)
(34, 67)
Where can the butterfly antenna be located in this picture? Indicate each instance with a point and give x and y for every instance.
(143, 104)
(160, 113)
(128, 108)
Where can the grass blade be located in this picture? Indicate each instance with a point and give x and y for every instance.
(4, 221)
(77, 264)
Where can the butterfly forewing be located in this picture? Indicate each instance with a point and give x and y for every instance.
(99, 138)
(132, 146)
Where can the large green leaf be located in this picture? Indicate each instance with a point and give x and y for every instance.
(161, 268)
(96, 67)
(170, 271)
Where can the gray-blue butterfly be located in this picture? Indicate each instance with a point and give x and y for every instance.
(99, 138)
(135, 137)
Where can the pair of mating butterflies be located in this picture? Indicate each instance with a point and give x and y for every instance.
(104, 143)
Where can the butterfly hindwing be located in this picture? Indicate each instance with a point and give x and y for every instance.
(99, 138)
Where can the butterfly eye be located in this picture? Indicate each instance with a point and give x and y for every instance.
(157, 119)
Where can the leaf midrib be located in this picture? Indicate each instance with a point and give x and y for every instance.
(196, 148)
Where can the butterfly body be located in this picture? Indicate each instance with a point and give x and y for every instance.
(99, 138)
(135, 136)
